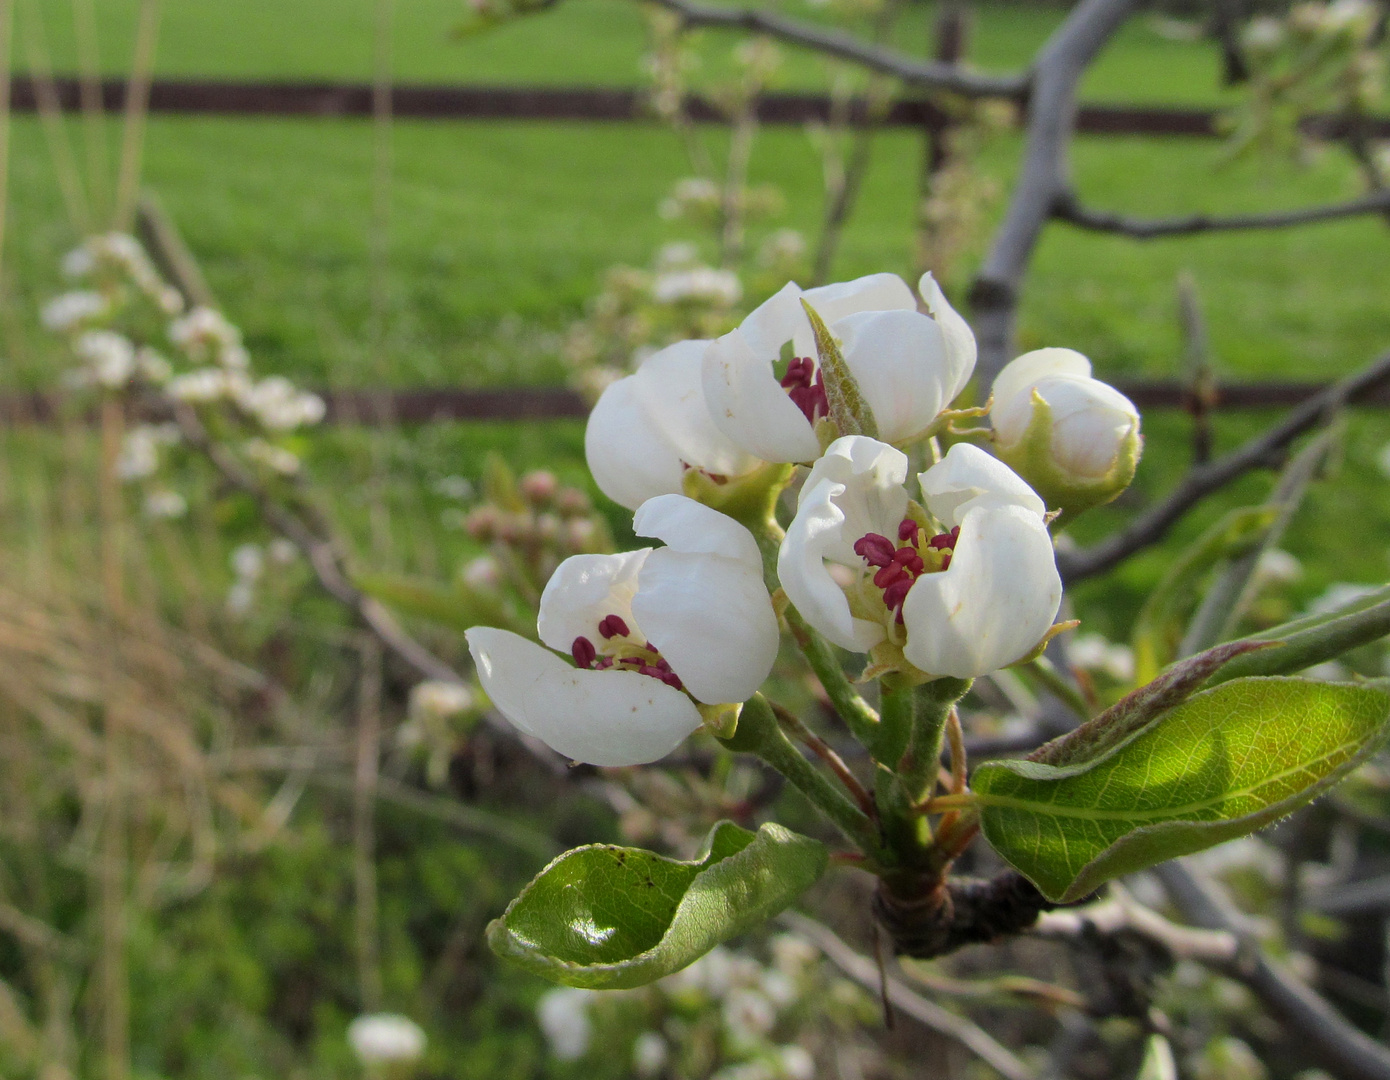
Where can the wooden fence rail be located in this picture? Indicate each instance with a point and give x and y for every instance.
(430, 102)
(370, 407)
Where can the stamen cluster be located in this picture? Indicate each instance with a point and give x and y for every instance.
(643, 659)
(805, 385)
(900, 567)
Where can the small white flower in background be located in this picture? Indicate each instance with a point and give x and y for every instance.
(746, 1070)
(71, 309)
(1328, 671)
(240, 597)
(792, 955)
(563, 1015)
(797, 1063)
(139, 455)
(278, 405)
(973, 597)
(1073, 438)
(908, 366)
(782, 247)
(248, 561)
(652, 425)
(651, 633)
(281, 551)
(712, 974)
(435, 699)
(153, 367)
(454, 487)
(649, 1054)
(677, 255)
(275, 458)
(109, 357)
(779, 988)
(79, 262)
(748, 1016)
(691, 195)
(1277, 566)
(199, 387)
(202, 331)
(1092, 652)
(164, 503)
(698, 283)
(385, 1038)
(483, 572)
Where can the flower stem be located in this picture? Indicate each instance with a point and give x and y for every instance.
(759, 734)
(922, 762)
(823, 750)
(858, 716)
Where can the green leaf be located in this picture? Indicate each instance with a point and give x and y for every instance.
(1224, 763)
(1159, 629)
(454, 605)
(608, 917)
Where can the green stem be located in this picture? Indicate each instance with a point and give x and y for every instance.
(759, 734)
(923, 758)
(1312, 643)
(899, 712)
(857, 714)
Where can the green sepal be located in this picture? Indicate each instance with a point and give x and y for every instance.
(849, 410)
(609, 918)
(721, 721)
(749, 499)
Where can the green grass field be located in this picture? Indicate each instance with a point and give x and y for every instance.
(500, 231)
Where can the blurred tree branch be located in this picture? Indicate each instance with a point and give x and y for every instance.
(1069, 209)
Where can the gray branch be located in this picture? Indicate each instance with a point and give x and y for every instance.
(1315, 1025)
(1067, 208)
(925, 74)
(1043, 178)
(1152, 525)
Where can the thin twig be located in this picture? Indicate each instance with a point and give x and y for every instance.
(137, 102)
(926, 74)
(1152, 525)
(364, 796)
(50, 111)
(1051, 123)
(1122, 913)
(827, 754)
(1067, 208)
(1319, 1029)
(863, 971)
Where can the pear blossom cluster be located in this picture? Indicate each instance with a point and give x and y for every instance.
(192, 356)
(949, 575)
(728, 1016)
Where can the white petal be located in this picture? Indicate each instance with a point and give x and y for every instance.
(711, 618)
(968, 476)
(995, 601)
(689, 526)
(582, 591)
(648, 426)
(743, 395)
(1090, 420)
(815, 534)
(872, 498)
(960, 340)
(873, 292)
(1013, 387)
(606, 718)
(898, 358)
(628, 452)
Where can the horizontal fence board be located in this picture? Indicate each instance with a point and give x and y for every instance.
(373, 408)
(344, 99)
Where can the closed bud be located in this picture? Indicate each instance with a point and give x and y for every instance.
(1074, 439)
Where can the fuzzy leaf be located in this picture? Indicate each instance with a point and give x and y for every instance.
(1222, 764)
(608, 917)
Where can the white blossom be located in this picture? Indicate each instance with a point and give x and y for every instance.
(908, 366)
(139, 454)
(705, 283)
(275, 458)
(201, 386)
(968, 594)
(278, 405)
(109, 357)
(71, 309)
(435, 699)
(1090, 430)
(649, 427)
(649, 1054)
(748, 1016)
(482, 572)
(651, 633)
(563, 1015)
(797, 1063)
(282, 551)
(248, 561)
(204, 330)
(165, 503)
(382, 1038)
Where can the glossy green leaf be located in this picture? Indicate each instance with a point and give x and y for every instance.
(1222, 764)
(610, 917)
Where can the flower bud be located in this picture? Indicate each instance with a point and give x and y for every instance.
(1074, 439)
(539, 487)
